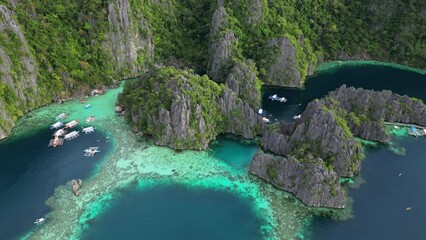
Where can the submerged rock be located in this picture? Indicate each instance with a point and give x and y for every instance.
(76, 186)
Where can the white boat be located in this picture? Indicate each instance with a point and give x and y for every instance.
(265, 120)
(90, 119)
(39, 221)
(59, 133)
(91, 151)
(296, 117)
(276, 98)
(61, 116)
(56, 125)
(88, 130)
(88, 106)
(260, 111)
(71, 135)
(71, 124)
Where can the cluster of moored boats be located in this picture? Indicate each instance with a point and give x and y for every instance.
(64, 131)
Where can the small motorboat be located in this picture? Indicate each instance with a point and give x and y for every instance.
(61, 116)
(296, 117)
(87, 106)
(39, 221)
(71, 124)
(56, 125)
(91, 151)
(408, 209)
(90, 119)
(266, 120)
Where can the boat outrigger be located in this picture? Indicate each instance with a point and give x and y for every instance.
(39, 221)
(61, 116)
(91, 151)
(56, 125)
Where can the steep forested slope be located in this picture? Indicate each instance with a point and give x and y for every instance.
(52, 49)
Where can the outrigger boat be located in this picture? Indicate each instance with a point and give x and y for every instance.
(61, 116)
(71, 124)
(59, 133)
(56, 125)
(276, 98)
(88, 130)
(39, 221)
(71, 135)
(91, 151)
(90, 119)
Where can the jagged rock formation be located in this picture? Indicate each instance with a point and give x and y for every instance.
(185, 111)
(366, 110)
(221, 41)
(282, 70)
(309, 181)
(321, 142)
(129, 40)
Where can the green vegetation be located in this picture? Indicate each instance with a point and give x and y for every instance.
(66, 37)
(168, 87)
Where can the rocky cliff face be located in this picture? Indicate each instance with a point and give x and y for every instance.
(366, 110)
(283, 68)
(129, 39)
(319, 133)
(183, 110)
(309, 181)
(18, 72)
(319, 147)
(221, 40)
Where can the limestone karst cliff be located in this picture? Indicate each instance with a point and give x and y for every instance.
(54, 50)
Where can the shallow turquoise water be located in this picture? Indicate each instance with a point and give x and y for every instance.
(199, 194)
(236, 153)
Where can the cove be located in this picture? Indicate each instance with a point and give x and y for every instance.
(175, 212)
(367, 76)
(379, 203)
(30, 171)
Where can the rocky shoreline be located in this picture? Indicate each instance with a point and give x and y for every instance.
(306, 158)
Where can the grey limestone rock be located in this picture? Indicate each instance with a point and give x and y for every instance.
(309, 181)
(129, 38)
(283, 68)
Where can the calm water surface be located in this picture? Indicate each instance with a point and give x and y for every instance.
(29, 173)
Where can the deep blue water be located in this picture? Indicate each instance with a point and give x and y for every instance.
(367, 76)
(380, 203)
(30, 171)
(174, 212)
